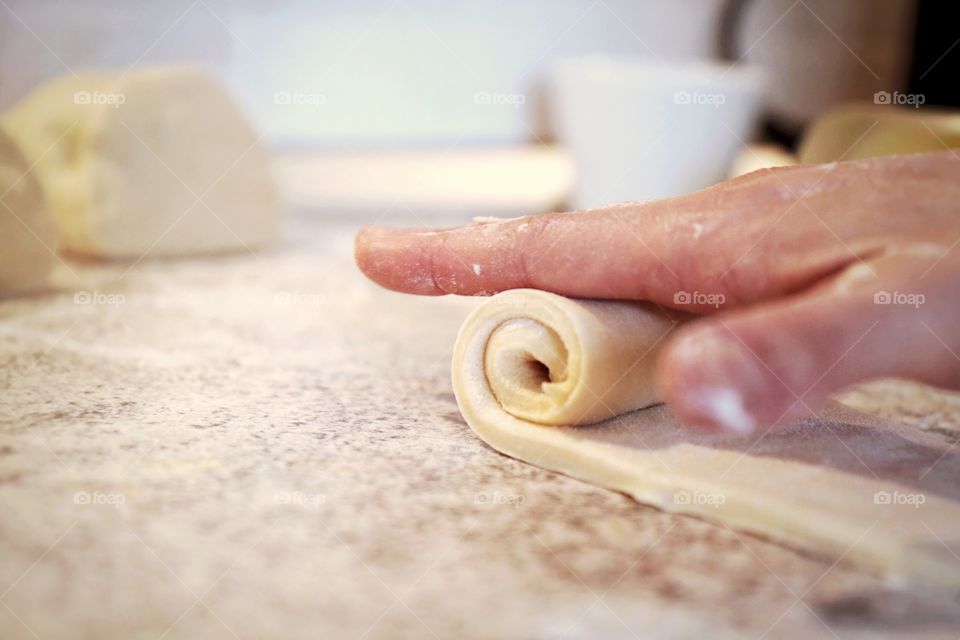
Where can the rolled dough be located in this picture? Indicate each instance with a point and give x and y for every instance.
(158, 161)
(28, 236)
(532, 369)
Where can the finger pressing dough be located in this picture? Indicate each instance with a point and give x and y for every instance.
(530, 366)
(28, 237)
(152, 162)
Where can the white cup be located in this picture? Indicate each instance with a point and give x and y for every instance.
(641, 129)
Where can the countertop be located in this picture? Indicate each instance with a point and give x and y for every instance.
(267, 446)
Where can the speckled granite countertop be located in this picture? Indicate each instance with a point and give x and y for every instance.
(268, 447)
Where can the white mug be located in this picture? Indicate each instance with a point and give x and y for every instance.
(642, 129)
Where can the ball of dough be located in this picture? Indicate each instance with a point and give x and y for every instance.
(157, 162)
(28, 236)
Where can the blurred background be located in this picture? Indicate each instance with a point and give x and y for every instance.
(497, 107)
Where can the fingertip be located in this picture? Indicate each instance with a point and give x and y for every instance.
(364, 253)
(361, 254)
(395, 260)
(711, 381)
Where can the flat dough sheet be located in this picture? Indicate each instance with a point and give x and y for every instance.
(560, 383)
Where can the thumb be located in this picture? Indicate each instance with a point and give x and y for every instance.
(776, 362)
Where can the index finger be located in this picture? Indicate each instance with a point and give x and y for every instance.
(717, 241)
(562, 252)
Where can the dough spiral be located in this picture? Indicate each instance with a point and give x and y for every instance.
(551, 360)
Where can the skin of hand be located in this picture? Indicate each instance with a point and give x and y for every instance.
(806, 279)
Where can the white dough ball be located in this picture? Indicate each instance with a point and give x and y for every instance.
(157, 162)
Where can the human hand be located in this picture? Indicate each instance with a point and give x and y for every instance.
(809, 278)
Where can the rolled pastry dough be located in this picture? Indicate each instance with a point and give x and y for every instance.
(529, 365)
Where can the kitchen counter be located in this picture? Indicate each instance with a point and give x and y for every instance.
(267, 445)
